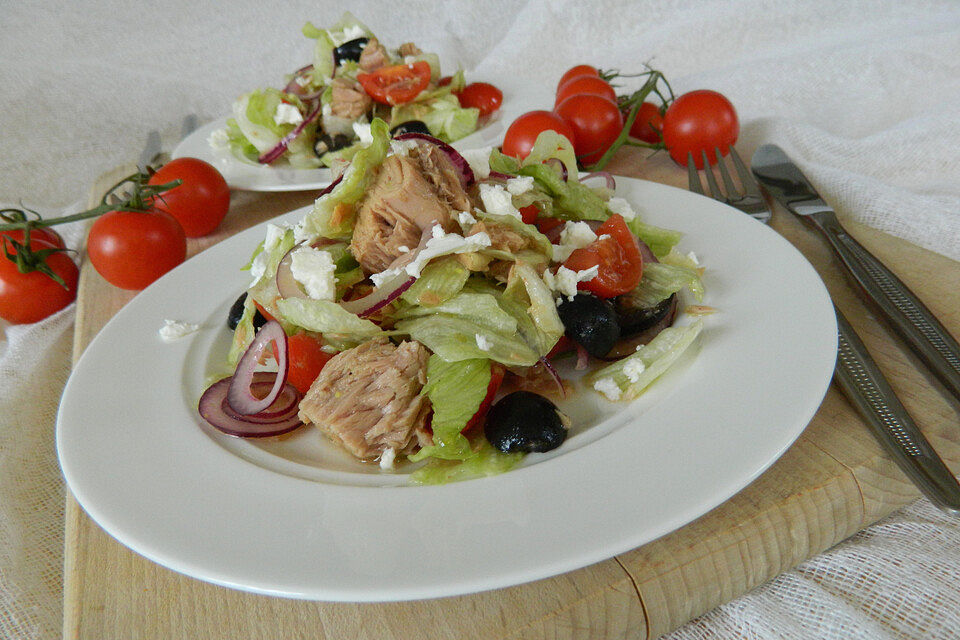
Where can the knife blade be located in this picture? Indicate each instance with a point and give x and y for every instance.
(862, 382)
(904, 311)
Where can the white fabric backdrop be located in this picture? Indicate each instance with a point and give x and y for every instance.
(863, 94)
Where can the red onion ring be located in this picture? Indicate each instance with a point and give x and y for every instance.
(215, 409)
(239, 395)
(380, 297)
(463, 167)
(496, 175)
(281, 146)
(287, 285)
(556, 376)
(582, 357)
(606, 175)
(330, 187)
(293, 86)
(558, 166)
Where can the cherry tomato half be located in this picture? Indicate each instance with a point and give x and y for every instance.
(397, 84)
(522, 134)
(497, 371)
(700, 121)
(31, 297)
(482, 95)
(585, 84)
(306, 359)
(649, 123)
(200, 203)
(131, 249)
(576, 72)
(596, 123)
(616, 253)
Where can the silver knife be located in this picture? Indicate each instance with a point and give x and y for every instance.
(863, 383)
(908, 316)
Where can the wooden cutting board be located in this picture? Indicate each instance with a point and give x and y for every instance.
(831, 483)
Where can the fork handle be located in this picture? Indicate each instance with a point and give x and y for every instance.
(908, 316)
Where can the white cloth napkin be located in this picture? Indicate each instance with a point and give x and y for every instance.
(862, 94)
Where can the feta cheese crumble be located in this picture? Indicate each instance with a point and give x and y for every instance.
(258, 267)
(176, 329)
(575, 235)
(633, 368)
(621, 206)
(287, 114)
(609, 388)
(440, 244)
(565, 280)
(313, 268)
(402, 147)
(466, 220)
(479, 161)
(482, 343)
(497, 200)
(520, 185)
(387, 458)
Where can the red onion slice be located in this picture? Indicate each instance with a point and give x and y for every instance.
(556, 376)
(293, 86)
(558, 166)
(582, 357)
(281, 146)
(239, 395)
(462, 166)
(330, 187)
(606, 175)
(215, 409)
(287, 285)
(380, 297)
(496, 175)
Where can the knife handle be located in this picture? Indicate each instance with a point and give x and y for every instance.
(908, 316)
(862, 382)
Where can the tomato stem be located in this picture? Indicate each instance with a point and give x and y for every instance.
(634, 101)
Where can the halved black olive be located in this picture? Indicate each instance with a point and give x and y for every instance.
(326, 143)
(410, 126)
(634, 320)
(590, 322)
(349, 50)
(527, 422)
(236, 312)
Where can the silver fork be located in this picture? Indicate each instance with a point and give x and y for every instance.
(749, 199)
(856, 372)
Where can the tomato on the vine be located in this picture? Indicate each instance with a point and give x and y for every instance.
(39, 233)
(649, 123)
(698, 122)
(131, 249)
(522, 134)
(596, 123)
(31, 297)
(397, 84)
(576, 72)
(616, 253)
(481, 95)
(307, 358)
(585, 84)
(200, 203)
(497, 371)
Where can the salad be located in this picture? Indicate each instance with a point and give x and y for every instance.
(321, 117)
(419, 308)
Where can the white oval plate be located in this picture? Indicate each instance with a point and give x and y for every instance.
(296, 518)
(251, 177)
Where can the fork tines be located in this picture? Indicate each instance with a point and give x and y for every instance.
(747, 198)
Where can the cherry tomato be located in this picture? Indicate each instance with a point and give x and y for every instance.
(529, 213)
(46, 234)
(545, 225)
(585, 84)
(484, 96)
(596, 123)
(576, 72)
(444, 81)
(31, 297)
(617, 255)
(497, 371)
(131, 249)
(200, 203)
(649, 123)
(398, 84)
(522, 134)
(306, 359)
(700, 121)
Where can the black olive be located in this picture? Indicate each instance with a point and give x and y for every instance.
(634, 320)
(524, 421)
(326, 143)
(410, 126)
(236, 312)
(349, 51)
(590, 322)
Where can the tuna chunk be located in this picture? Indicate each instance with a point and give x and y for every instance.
(368, 399)
(348, 99)
(374, 56)
(409, 49)
(409, 195)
